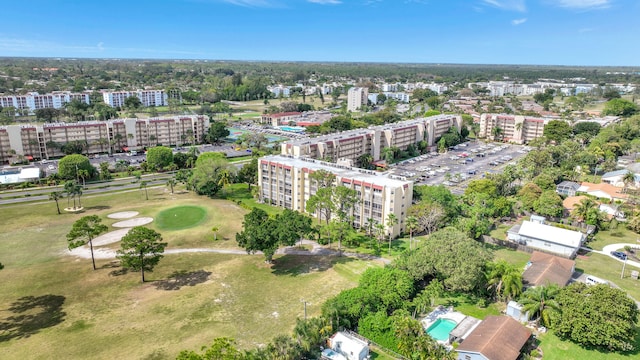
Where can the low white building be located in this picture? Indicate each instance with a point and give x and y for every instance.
(547, 238)
(349, 346)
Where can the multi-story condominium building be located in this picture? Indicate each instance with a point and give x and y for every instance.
(285, 181)
(354, 143)
(44, 141)
(147, 97)
(400, 96)
(280, 91)
(356, 97)
(512, 128)
(33, 101)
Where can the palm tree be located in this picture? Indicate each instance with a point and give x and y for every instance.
(171, 183)
(388, 155)
(215, 230)
(540, 301)
(143, 185)
(497, 133)
(55, 196)
(505, 280)
(83, 174)
(583, 208)
(627, 179)
(69, 188)
(224, 180)
(412, 225)
(78, 193)
(392, 220)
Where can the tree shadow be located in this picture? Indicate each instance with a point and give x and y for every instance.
(98, 207)
(119, 272)
(182, 278)
(30, 314)
(294, 265)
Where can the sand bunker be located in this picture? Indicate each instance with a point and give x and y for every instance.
(111, 237)
(123, 215)
(133, 222)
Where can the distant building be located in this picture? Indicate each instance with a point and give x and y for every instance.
(45, 141)
(33, 101)
(567, 188)
(603, 191)
(356, 97)
(513, 128)
(279, 118)
(354, 143)
(616, 178)
(19, 175)
(147, 97)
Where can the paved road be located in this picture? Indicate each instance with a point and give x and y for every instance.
(614, 247)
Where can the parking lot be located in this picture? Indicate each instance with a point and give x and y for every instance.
(454, 169)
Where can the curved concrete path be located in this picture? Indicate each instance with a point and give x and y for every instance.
(613, 247)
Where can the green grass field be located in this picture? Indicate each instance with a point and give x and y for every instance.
(619, 235)
(53, 305)
(554, 348)
(180, 217)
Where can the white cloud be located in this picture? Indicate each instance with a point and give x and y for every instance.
(583, 4)
(325, 2)
(512, 5)
(517, 22)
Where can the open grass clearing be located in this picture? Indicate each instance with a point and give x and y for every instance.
(468, 305)
(610, 269)
(78, 313)
(619, 235)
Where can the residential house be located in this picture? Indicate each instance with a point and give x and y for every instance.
(349, 346)
(603, 191)
(616, 178)
(547, 238)
(567, 188)
(496, 338)
(543, 269)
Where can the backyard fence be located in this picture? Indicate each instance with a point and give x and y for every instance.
(515, 246)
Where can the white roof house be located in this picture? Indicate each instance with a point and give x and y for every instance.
(615, 178)
(349, 346)
(547, 238)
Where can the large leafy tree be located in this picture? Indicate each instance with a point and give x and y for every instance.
(221, 349)
(217, 131)
(461, 269)
(248, 174)
(548, 204)
(597, 316)
(70, 165)
(141, 250)
(84, 231)
(159, 157)
(557, 131)
(210, 169)
(619, 107)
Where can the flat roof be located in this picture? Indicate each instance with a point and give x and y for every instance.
(341, 171)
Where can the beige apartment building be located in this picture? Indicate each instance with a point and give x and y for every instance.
(45, 141)
(285, 181)
(518, 129)
(352, 144)
(280, 118)
(356, 97)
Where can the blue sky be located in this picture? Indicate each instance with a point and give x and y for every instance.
(552, 32)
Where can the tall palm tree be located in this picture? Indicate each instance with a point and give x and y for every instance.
(83, 174)
(497, 133)
(215, 230)
(583, 208)
(627, 179)
(69, 189)
(412, 225)
(225, 180)
(143, 185)
(171, 183)
(78, 194)
(392, 220)
(540, 302)
(55, 196)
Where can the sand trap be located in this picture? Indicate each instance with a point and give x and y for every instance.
(111, 237)
(133, 222)
(123, 215)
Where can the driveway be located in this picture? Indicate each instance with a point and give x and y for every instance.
(613, 247)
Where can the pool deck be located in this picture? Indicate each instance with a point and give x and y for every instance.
(442, 313)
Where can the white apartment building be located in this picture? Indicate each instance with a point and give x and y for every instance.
(400, 96)
(147, 97)
(34, 101)
(280, 91)
(356, 97)
(45, 141)
(518, 129)
(354, 143)
(284, 181)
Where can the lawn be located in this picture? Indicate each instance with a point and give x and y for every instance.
(55, 306)
(610, 269)
(180, 217)
(555, 348)
(619, 235)
(514, 257)
(469, 305)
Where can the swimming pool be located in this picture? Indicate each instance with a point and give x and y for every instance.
(440, 329)
(296, 129)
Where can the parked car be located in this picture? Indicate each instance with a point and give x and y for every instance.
(619, 254)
